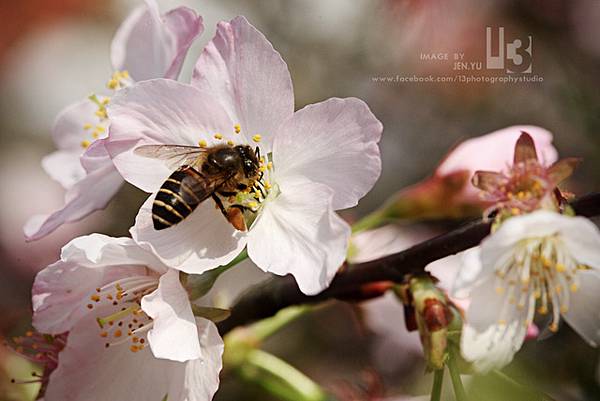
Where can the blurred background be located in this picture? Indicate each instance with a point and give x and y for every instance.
(53, 52)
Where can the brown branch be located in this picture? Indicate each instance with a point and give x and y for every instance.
(268, 298)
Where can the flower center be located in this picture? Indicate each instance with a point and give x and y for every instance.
(542, 272)
(97, 128)
(521, 189)
(42, 349)
(128, 323)
(251, 199)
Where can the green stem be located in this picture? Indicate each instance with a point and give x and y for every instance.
(370, 221)
(459, 390)
(438, 380)
(513, 383)
(267, 327)
(279, 378)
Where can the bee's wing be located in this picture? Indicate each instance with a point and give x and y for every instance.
(196, 187)
(174, 155)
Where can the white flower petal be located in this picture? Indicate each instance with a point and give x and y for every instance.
(62, 290)
(485, 306)
(333, 143)
(584, 307)
(300, 234)
(68, 131)
(582, 238)
(89, 371)
(470, 273)
(160, 111)
(64, 167)
(202, 241)
(86, 196)
(149, 45)
(173, 335)
(248, 77)
(101, 250)
(494, 347)
(386, 240)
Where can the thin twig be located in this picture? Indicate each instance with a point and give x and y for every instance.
(266, 299)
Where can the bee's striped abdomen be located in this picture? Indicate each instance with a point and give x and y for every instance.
(177, 198)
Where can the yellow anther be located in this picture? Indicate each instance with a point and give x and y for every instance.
(537, 294)
(134, 348)
(502, 322)
(105, 101)
(564, 309)
(262, 159)
(542, 310)
(85, 143)
(87, 126)
(515, 211)
(230, 142)
(262, 168)
(499, 290)
(112, 84)
(202, 143)
(270, 165)
(267, 185)
(101, 113)
(237, 128)
(553, 327)
(95, 134)
(561, 268)
(257, 194)
(252, 205)
(100, 128)
(218, 136)
(95, 298)
(125, 74)
(574, 287)
(257, 138)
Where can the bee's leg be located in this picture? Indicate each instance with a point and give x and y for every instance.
(235, 217)
(219, 204)
(259, 186)
(257, 152)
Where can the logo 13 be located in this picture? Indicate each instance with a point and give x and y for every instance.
(513, 57)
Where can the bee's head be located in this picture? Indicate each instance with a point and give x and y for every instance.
(249, 160)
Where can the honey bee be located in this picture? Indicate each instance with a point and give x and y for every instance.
(201, 173)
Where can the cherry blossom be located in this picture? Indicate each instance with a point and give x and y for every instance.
(129, 320)
(314, 161)
(147, 45)
(543, 261)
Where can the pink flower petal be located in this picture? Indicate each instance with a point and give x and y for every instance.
(149, 45)
(62, 290)
(89, 371)
(160, 111)
(68, 131)
(203, 241)
(248, 77)
(495, 151)
(174, 335)
(64, 167)
(334, 143)
(86, 196)
(300, 234)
